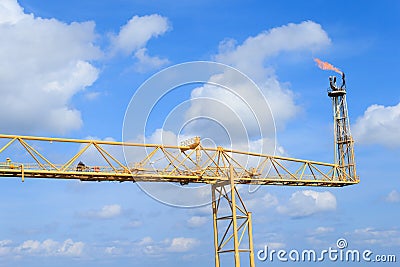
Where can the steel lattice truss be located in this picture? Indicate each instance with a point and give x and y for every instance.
(187, 163)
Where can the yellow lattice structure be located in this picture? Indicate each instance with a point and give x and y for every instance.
(180, 164)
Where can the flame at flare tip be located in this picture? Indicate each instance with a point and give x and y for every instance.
(327, 66)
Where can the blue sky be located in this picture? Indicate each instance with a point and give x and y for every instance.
(70, 68)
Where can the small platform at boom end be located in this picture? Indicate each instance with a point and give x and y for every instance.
(335, 93)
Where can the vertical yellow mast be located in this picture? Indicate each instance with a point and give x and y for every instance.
(344, 144)
(233, 232)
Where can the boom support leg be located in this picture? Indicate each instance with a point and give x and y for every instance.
(232, 223)
(344, 144)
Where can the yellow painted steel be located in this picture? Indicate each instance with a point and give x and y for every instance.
(182, 164)
(215, 225)
(235, 234)
(234, 217)
(251, 244)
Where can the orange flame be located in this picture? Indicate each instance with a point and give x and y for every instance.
(326, 66)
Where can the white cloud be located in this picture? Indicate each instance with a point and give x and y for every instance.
(160, 136)
(44, 63)
(32, 246)
(378, 125)
(92, 95)
(233, 115)
(146, 62)
(71, 248)
(182, 244)
(138, 31)
(251, 55)
(145, 241)
(197, 221)
(10, 12)
(308, 202)
(276, 245)
(372, 236)
(5, 247)
(393, 196)
(264, 202)
(106, 212)
(150, 247)
(323, 230)
(237, 109)
(133, 37)
(48, 247)
(112, 250)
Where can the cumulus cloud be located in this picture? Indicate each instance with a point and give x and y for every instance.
(92, 95)
(48, 247)
(153, 248)
(138, 31)
(237, 107)
(264, 202)
(378, 125)
(251, 55)
(308, 202)
(372, 236)
(146, 62)
(323, 230)
(182, 244)
(106, 212)
(5, 247)
(133, 37)
(112, 250)
(236, 112)
(44, 63)
(10, 12)
(160, 136)
(145, 241)
(393, 196)
(197, 221)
